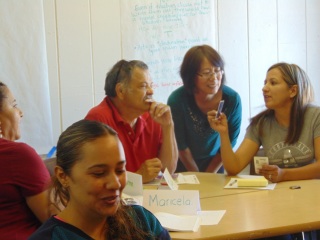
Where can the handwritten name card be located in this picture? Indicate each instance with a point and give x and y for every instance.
(134, 185)
(183, 202)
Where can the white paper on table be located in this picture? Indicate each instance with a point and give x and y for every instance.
(211, 217)
(187, 179)
(172, 222)
(233, 183)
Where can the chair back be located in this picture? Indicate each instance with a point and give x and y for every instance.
(50, 164)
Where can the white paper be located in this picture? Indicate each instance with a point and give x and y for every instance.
(160, 33)
(211, 217)
(187, 179)
(259, 162)
(134, 185)
(172, 222)
(169, 180)
(179, 202)
(132, 194)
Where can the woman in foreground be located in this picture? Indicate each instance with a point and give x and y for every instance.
(89, 178)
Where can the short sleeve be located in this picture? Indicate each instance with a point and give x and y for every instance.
(30, 173)
(253, 134)
(316, 125)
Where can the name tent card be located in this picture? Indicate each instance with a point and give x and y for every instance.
(132, 193)
(134, 185)
(171, 183)
(180, 202)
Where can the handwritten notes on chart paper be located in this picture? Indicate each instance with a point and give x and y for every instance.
(160, 32)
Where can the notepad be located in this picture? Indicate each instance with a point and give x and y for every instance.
(252, 182)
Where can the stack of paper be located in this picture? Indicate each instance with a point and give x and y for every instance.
(252, 182)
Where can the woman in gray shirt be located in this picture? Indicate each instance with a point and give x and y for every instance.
(288, 130)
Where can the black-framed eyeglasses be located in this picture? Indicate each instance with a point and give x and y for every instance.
(208, 75)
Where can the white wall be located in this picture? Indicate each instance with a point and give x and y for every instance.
(83, 40)
(23, 64)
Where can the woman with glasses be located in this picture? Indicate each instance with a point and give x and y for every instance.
(288, 130)
(203, 76)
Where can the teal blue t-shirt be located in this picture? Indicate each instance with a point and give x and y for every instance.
(55, 229)
(192, 128)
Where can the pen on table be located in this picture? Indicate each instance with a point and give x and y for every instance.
(233, 182)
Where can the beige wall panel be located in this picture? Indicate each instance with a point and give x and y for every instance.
(292, 32)
(263, 52)
(313, 45)
(49, 9)
(106, 42)
(75, 59)
(233, 46)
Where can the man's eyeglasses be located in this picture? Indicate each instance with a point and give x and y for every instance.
(208, 75)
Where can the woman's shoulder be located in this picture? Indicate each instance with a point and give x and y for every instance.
(178, 93)
(144, 214)
(312, 112)
(178, 98)
(230, 91)
(313, 108)
(140, 210)
(150, 222)
(18, 148)
(232, 95)
(53, 227)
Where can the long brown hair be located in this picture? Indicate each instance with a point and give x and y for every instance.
(122, 225)
(293, 75)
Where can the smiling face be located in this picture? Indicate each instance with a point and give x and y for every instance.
(10, 116)
(97, 179)
(277, 94)
(137, 94)
(208, 80)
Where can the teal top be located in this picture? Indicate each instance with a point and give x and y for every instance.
(55, 229)
(192, 128)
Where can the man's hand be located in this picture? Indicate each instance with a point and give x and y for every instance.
(161, 113)
(150, 169)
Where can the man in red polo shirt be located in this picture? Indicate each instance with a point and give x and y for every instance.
(145, 127)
